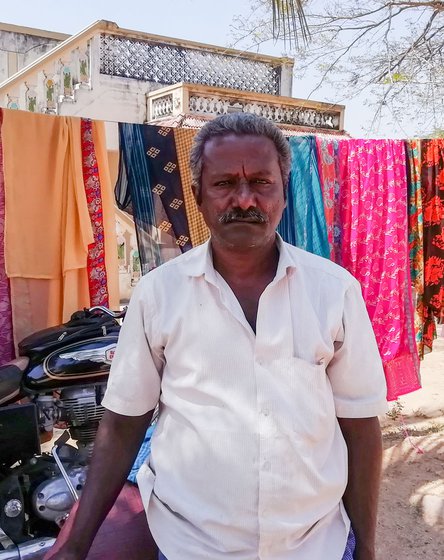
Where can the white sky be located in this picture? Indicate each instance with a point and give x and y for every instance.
(206, 21)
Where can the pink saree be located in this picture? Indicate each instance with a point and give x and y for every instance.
(373, 195)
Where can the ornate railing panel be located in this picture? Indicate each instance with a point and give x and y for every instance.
(169, 64)
(191, 99)
(278, 113)
(163, 106)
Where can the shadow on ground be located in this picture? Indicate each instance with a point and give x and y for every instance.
(411, 512)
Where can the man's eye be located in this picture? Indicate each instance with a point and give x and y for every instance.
(222, 183)
(260, 181)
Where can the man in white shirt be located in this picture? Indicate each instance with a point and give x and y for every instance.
(268, 375)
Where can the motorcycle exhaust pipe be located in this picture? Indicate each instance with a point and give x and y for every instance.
(30, 550)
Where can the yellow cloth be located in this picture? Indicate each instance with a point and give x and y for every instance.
(199, 232)
(48, 228)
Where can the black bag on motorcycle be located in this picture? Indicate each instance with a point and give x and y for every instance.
(82, 325)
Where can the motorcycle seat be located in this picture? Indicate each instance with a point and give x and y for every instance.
(10, 381)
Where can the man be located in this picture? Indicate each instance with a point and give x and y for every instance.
(267, 371)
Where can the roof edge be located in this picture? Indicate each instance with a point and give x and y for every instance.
(34, 31)
(100, 25)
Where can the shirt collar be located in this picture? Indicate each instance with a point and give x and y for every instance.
(199, 261)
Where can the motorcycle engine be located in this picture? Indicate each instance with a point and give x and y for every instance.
(81, 409)
(52, 501)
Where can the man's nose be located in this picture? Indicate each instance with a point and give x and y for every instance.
(245, 195)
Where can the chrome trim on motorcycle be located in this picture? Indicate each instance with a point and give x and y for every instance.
(10, 554)
(5, 541)
(114, 314)
(64, 473)
(29, 550)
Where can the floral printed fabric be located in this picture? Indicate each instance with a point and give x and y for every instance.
(432, 190)
(6, 339)
(97, 278)
(416, 236)
(374, 248)
(327, 150)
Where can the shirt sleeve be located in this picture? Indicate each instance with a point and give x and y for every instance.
(134, 380)
(355, 371)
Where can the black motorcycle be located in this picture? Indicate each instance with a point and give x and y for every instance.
(58, 380)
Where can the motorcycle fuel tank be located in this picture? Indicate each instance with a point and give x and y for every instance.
(77, 363)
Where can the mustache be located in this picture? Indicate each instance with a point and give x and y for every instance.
(251, 214)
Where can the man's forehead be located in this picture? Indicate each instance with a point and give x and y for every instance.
(236, 147)
(223, 140)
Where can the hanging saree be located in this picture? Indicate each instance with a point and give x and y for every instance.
(98, 136)
(154, 185)
(46, 259)
(416, 236)
(432, 190)
(374, 248)
(166, 185)
(327, 151)
(97, 280)
(6, 340)
(199, 232)
(303, 223)
(134, 195)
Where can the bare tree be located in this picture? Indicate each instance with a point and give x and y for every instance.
(390, 50)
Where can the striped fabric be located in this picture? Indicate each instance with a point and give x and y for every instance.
(133, 193)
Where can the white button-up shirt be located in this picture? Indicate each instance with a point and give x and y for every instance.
(247, 459)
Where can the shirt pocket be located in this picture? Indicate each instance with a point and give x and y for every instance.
(304, 399)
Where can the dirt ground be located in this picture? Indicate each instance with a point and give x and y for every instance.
(411, 511)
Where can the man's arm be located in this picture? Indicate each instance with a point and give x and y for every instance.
(117, 443)
(364, 443)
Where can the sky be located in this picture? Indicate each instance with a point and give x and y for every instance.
(197, 20)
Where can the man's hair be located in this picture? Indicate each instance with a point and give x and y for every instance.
(240, 124)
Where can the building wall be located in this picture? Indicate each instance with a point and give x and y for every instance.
(20, 46)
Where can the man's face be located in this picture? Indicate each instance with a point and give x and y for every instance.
(242, 193)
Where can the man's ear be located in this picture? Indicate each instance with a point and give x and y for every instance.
(197, 195)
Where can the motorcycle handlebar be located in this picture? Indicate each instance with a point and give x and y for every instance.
(114, 314)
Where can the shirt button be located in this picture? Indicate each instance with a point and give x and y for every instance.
(267, 466)
(265, 412)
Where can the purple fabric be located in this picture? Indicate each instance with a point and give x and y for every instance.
(348, 554)
(350, 547)
(6, 341)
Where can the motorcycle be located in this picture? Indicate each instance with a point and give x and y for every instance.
(58, 380)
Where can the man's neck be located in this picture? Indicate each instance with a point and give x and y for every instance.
(246, 266)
